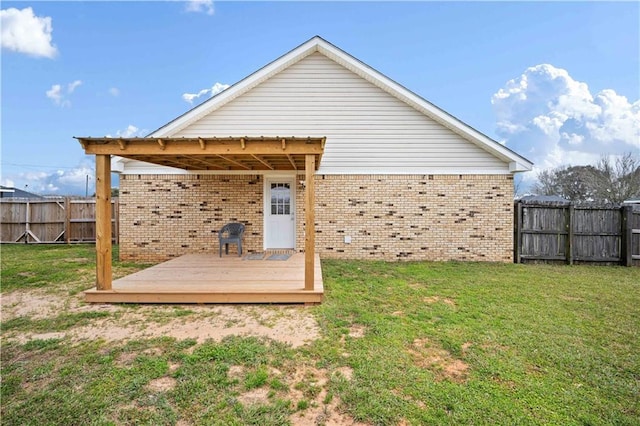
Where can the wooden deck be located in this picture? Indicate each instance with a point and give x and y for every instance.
(206, 278)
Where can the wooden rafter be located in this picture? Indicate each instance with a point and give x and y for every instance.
(293, 163)
(263, 161)
(205, 162)
(237, 163)
(173, 160)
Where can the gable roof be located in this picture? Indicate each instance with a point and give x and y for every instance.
(317, 44)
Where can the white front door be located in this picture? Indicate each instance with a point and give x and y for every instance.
(279, 212)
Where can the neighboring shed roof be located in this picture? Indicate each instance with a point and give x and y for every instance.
(7, 192)
(317, 44)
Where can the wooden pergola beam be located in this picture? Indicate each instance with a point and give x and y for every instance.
(199, 146)
(103, 222)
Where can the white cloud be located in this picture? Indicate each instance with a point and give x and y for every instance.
(23, 32)
(200, 6)
(55, 93)
(214, 90)
(554, 120)
(72, 86)
(114, 91)
(63, 181)
(130, 131)
(60, 96)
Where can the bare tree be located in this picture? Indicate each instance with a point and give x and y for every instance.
(610, 180)
(571, 183)
(617, 180)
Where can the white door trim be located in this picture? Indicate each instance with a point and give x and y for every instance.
(268, 179)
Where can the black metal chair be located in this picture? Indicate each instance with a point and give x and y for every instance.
(231, 233)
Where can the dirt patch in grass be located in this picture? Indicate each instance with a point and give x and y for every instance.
(126, 358)
(236, 372)
(292, 325)
(39, 304)
(254, 397)
(427, 355)
(346, 372)
(310, 384)
(572, 298)
(437, 299)
(34, 304)
(357, 331)
(162, 384)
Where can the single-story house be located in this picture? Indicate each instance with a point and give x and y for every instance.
(385, 173)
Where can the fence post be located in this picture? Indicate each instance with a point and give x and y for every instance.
(517, 231)
(67, 220)
(27, 228)
(568, 247)
(626, 234)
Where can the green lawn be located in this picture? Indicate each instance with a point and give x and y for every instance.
(402, 343)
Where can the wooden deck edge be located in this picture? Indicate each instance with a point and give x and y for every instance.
(95, 296)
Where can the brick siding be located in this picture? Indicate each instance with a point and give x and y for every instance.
(165, 216)
(404, 217)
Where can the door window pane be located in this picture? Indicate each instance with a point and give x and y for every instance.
(280, 199)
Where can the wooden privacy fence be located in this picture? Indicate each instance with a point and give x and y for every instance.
(556, 231)
(63, 220)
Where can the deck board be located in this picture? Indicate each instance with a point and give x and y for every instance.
(205, 278)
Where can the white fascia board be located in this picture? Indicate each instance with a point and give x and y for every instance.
(411, 171)
(516, 166)
(118, 164)
(137, 167)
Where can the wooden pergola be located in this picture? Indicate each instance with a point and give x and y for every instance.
(205, 153)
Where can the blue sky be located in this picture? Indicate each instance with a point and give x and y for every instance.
(557, 82)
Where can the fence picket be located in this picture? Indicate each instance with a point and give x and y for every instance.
(551, 231)
(50, 220)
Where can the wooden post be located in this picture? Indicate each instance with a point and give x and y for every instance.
(568, 245)
(310, 219)
(116, 220)
(517, 237)
(626, 234)
(27, 229)
(67, 220)
(103, 222)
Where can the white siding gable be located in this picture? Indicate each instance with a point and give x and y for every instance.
(367, 129)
